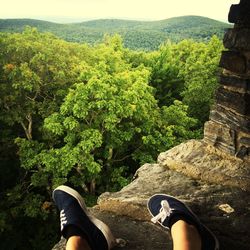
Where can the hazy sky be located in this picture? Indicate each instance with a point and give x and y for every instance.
(132, 9)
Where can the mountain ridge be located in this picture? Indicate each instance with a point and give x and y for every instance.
(147, 35)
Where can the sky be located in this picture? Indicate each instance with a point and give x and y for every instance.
(75, 10)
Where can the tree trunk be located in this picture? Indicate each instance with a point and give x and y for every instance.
(28, 129)
(92, 187)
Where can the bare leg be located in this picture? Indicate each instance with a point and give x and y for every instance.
(185, 236)
(77, 243)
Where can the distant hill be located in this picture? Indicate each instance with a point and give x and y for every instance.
(147, 35)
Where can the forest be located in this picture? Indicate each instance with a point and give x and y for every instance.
(89, 116)
(136, 35)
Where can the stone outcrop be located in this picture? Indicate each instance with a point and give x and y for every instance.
(229, 125)
(211, 182)
(202, 161)
(217, 198)
(239, 13)
(137, 235)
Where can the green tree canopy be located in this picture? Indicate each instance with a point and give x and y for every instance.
(200, 74)
(89, 116)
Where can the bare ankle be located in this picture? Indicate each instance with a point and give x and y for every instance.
(185, 236)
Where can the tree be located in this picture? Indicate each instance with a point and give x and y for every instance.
(107, 125)
(36, 71)
(200, 74)
(101, 122)
(187, 71)
(165, 75)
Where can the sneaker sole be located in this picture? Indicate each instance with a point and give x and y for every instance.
(217, 245)
(98, 223)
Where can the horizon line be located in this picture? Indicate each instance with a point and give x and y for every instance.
(66, 20)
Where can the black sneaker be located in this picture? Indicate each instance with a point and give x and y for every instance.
(73, 211)
(164, 208)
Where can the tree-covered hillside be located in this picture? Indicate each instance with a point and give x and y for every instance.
(143, 35)
(89, 116)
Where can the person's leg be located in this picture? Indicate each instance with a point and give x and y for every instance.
(81, 229)
(77, 243)
(185, 236)
(186, 229)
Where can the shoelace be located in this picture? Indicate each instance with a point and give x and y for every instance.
(63, 219)
(164, 212)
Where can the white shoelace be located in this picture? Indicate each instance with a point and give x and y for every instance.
(63, 219)
(164, 212)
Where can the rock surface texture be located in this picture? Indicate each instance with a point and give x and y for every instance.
(137, 235)
(196, 173)
(212, 176)
(229, 125)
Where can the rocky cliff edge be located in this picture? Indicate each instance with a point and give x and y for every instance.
(214, 184)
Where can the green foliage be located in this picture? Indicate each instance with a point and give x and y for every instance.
(137, 35)
(36, 71)
(200, 75)
(187, 71)
(181, 124)
(110, 117)
(165, 74)
(89, 117)
(19, 210)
